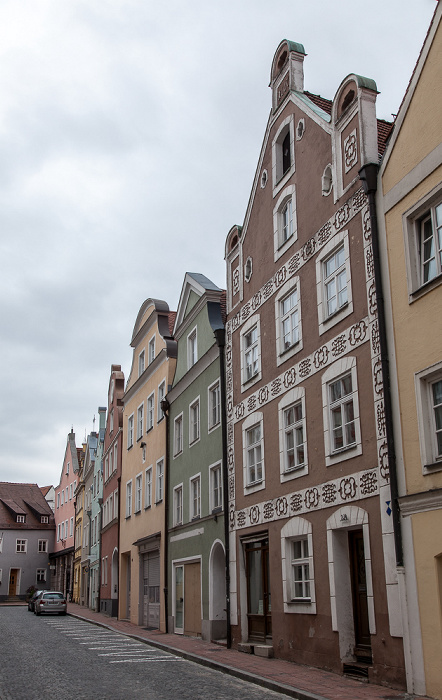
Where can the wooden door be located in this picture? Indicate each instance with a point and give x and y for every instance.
(13, 577)
(192, 599)
(259, 607)
(359, 595)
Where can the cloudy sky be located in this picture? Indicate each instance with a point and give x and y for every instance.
(129, 136)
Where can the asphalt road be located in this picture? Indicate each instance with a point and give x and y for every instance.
(63, 658)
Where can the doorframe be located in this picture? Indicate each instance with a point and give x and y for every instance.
(341, 600)
(243, 595)
(18, 581)
(182, 562)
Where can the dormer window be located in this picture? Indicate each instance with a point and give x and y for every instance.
(21, 518)
(44, 519)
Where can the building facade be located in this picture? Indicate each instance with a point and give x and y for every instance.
(312, 552)
(410, 198)
(26, 537)
(87, 481)
(143, 478)
(62, 556)
(111, 466)
(95, 518)
(196, 549)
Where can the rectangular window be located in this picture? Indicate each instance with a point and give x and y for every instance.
(138, 492)
(216, 488)
(130, 431)
(115, 504)
(428, 384)
(141, 363)
(67, 468)
(294, 439)
(254, 454)
(71, 527)
(111, 420)
(192, 353)
(58, 532)
(71, 491)
(140, 421)
(342, 417)
(42, 545)
(251, 355)
(159, 481)
(128, 499)
(335, 282)
(436, 395)
(115, 463)
(289, 316)
(150, 411)
(58, 499)
(430, 241)
(161, 395)
(148, 488)
(214, 405)
(21, 546)
(286, 221)
(21, 518)
(178, 505)
(178, 435)
(194, 422)
(195, 497)
(41, 575)
(300, 570)
(151, 350)
(44, 519)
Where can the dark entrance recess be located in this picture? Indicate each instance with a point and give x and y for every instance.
(359, 594)
(259, 605)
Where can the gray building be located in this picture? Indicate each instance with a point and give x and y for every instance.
(27, 532)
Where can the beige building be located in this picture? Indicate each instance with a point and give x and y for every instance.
(143, 478)
(410, 196)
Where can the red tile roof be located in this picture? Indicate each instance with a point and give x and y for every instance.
(319, 101)
(172, 317)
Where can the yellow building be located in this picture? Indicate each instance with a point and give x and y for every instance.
(410, 197)
(143, 478)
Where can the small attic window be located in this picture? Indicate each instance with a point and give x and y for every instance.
(300, 129)
(234, 242)
(286, 159)
(327, 181)
(348, 99)
(21, 518)
(281, 61)
(264, 178)
(248, 269)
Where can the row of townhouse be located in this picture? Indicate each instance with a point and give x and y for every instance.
(270, 473)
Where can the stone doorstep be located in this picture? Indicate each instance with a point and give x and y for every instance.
(264, 650)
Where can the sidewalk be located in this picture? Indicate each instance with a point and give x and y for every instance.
(296, 681)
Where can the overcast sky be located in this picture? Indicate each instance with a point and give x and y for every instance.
(129, 136)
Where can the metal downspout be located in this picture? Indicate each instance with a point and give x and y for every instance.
(369, 178)
(220, 335)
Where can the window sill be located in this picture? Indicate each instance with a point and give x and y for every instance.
(347, 448)
(336, 313)
(425, 287)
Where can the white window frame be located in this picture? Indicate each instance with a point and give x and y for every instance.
(150, 418)
(424, 381)
(141, 363)
(148, 487)
(282, 355)
(140, 421)
(115, 462)
(294, 530)
(195, 496)
(325, 321)
(138, 493)
(129, 498)
(71, 526)
(280, 178)
(151, 350)
(116, 503)
(214, 405)
(130, 431)
(40, 576)
(159, 481)
(161, 395)
(192, 348)
(194, 425)
(339, 369)
(21, 518)
(411, 220)
(286, 198)
(42, 546)
(111, 420)
(253, 420)
(178, 432)
(293, 397)
(178, 505)
(253, 321)
(215, 487)
(21, 548)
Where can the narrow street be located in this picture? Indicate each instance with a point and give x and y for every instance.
(63, 658)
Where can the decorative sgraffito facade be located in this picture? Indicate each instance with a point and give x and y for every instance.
(312, 559)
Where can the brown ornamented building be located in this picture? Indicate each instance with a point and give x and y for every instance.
(312, 551)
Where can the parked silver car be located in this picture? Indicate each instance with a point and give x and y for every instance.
(50, 602)
(32, 600)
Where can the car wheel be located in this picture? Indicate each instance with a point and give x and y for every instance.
(62, 613)
(37, 612)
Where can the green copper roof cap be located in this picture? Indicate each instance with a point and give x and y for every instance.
(366, 83)
(295, 46)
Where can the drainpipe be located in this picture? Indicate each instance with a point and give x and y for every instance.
(369, 178)
(165, 406)
(220, 336)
